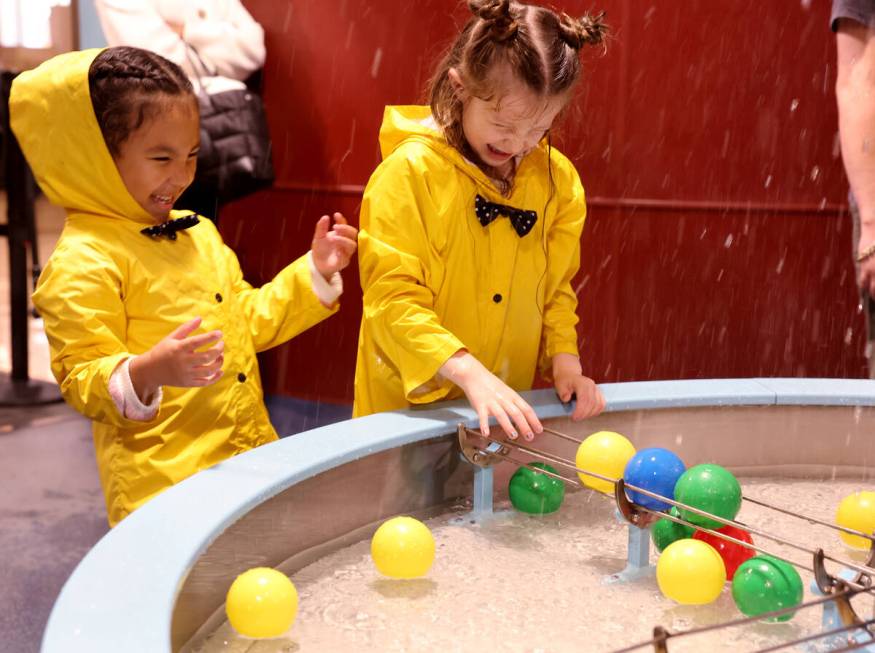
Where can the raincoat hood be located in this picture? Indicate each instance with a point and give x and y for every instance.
(53, 118)
(403, 124)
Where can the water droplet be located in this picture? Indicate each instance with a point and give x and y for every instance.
(794, 105)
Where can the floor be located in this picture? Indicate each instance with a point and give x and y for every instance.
(51, 505)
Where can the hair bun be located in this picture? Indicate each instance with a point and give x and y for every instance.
(587, 30)
(497, 18)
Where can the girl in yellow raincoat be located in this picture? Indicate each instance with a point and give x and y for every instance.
(152, 329)
(470, 228)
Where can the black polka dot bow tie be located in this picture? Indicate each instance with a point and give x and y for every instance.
(170, 227)
(521, 221)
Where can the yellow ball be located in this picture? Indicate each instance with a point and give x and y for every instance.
(262, 602)
(857, 511)
(690, 572)
(604, 453)
(403, 547)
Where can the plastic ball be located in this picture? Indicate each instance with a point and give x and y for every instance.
(403, 547)
(665, 531)
(536, 493)
(656, 470)
(733, 554)
(690, 572)
(711, 488)
(857, 511)
(763, 584)
(261, 602)
(605, 453)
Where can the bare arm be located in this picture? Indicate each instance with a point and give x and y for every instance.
(855, 95)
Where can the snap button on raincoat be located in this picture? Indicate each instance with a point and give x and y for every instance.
(436, 281)
(109, 292)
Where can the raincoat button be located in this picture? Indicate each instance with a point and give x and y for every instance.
(219, 298)
(241, 377)
(496, 298)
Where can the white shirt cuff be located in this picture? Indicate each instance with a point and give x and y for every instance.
(326, 291)
(121, 389)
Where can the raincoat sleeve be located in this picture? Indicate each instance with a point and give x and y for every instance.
(396, 244)
(563, 255)
(280, 309)
(79, 297)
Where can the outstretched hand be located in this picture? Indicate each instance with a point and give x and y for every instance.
(179, 361)
(490, 396)
(333, 245)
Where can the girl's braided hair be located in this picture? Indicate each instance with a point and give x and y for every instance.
(129, 86)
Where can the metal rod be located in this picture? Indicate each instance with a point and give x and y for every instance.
(727, 522)
(747, 620)
(829, 633)
(808, 518)
(812, 520)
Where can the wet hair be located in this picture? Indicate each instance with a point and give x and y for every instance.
(130, 86)
(539, 46)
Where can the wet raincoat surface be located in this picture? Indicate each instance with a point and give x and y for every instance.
(436, 281)
(109, 292)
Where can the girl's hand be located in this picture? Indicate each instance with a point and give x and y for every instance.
(489, 395)
(569, 380)
(333, 249)
(179, 361)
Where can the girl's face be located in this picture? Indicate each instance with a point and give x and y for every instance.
(157, 161)
(508, 125)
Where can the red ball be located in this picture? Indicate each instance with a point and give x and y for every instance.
(733, 554)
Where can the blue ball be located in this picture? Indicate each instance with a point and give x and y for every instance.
(656, 470)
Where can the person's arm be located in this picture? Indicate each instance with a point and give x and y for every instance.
(560, 357)
(138, 24)
(855, 96)
(395, 266)
(231, 44)
(79, 299)
(284, 307)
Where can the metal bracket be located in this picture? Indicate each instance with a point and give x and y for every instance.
(485, 457)
(660, 639)
(628, 510)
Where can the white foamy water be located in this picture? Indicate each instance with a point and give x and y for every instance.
(537, 584)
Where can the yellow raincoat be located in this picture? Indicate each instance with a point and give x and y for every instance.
(109, 292)
(436, 281)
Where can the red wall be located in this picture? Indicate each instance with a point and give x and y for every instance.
(716, 243)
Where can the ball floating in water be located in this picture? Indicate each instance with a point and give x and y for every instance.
(763, 584)
(711, 488)
(665, 531)
(654, 469)
(403, 547)
(857, 511)
(690, 572)
(535, 493)
(733, 554)
(605, 453)
(261, 602)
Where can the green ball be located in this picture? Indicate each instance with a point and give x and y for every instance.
(711, 488)
(763, 584)
(665, 531)
(536, 493)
